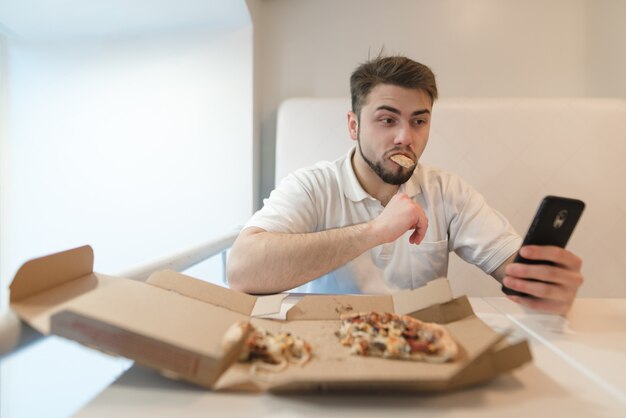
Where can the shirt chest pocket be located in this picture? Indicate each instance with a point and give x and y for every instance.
(428, 261)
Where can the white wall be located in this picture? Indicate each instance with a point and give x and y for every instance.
(138, 147)
(605, 48)
(4, 157)
(481, 48)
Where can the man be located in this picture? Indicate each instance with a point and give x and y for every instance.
(367, 224)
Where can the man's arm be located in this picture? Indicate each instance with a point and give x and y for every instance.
(554, 287)
(500, 272)
(270, 262)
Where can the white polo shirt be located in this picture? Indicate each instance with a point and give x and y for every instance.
(328, 195)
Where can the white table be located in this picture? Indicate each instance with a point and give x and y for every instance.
(591, 340)
(579, 369)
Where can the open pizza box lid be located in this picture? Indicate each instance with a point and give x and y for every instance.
(60, 294)
(175, 324)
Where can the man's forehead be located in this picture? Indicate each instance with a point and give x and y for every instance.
(389, 95)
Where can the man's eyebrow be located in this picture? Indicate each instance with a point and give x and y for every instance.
(389, 108)
(396, 111)
(421, 112)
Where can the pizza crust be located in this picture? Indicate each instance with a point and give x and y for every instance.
(402, 160)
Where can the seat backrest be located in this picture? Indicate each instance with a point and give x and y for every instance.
(309, 130)
(514, 151)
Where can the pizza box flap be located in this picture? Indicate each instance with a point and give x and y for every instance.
(434, 292)
(217, 295)
(178, 335)
(46, 285)
(501, 358)
(44, 273)
(320, 307)
(444, 313)
(403, 302)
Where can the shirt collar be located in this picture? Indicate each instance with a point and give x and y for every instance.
(353, 190)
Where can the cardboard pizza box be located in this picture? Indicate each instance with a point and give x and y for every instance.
(60, 294)
(484, 353)
(175, 323)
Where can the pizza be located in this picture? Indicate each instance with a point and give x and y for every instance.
(266, 350)
(396, 336)
(402, 160)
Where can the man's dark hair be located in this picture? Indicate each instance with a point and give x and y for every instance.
(396, 70)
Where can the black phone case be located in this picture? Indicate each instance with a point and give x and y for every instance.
(553, 224)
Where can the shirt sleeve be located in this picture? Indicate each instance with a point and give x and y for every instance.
(478, 233)
(291, 207)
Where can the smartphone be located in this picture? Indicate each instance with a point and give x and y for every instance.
(553, 224)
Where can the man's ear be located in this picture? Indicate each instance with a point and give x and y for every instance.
(353, 125)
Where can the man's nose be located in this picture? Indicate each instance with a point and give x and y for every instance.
(404, 136)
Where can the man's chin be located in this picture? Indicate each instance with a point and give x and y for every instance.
(396, 179)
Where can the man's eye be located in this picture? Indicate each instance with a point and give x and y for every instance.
(387, 121)
(419, 122)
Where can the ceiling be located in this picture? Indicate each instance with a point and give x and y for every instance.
(54, 20)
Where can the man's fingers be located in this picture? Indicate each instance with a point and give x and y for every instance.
(417, 236)
(554, 286)
(557, 255)
(538, 289)
(546, 273)
(420, 229)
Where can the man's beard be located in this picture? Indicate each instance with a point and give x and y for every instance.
(397, 177)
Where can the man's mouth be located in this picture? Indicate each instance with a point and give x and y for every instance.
(402, 160)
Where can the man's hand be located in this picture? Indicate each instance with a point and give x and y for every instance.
(558, 285)
(400, 215)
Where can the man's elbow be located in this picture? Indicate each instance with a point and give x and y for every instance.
(237, 278)
(240, 267)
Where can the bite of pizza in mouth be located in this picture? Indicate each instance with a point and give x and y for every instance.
(402, 160)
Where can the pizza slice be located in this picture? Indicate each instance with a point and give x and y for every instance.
(396, 336)
(265, 350)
